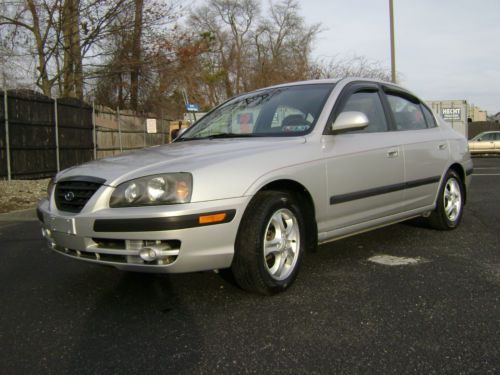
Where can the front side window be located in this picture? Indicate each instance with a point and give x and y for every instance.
(282, 111)
(368, 103)
(485, 137)
(407, 114)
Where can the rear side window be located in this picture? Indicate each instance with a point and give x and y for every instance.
(407, 114)
(368, 103)
(429, 118)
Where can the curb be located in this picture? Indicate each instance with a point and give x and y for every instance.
(19, 215)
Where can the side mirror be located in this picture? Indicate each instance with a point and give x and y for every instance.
(350, 120)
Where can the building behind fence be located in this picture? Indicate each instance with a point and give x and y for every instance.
(40, 136)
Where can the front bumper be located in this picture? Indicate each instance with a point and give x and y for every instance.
(159, 239)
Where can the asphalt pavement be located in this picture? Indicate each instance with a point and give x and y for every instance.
(345, 314)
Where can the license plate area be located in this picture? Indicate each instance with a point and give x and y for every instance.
(62, 224)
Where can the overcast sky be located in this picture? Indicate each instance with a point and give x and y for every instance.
(445, 49)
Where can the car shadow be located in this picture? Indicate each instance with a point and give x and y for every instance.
(418, 222)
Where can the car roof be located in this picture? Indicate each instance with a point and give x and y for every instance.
(389, 85)
(337, 80)
(345, 81)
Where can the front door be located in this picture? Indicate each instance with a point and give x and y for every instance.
(365, 170)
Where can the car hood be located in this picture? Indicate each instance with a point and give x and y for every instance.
(178, 157)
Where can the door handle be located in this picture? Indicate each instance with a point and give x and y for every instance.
(442, 146)
(392, 154)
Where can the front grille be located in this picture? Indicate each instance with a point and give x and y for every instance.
(72, 195)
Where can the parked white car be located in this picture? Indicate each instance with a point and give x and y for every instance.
(261, 179)
(485, 143)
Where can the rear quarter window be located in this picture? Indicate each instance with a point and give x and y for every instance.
(429, 118)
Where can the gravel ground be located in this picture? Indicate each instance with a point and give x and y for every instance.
(21, 194)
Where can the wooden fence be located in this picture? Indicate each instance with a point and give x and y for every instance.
(40, 136)
(120, 131)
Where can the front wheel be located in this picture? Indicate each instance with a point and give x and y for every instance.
(270, 243)
(450, 203)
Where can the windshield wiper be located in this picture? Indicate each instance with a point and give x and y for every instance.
(229, 135)
(218, 136)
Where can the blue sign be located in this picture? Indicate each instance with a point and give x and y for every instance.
(192, 107)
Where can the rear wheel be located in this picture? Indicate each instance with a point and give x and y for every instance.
(450, 203)
(270, 243)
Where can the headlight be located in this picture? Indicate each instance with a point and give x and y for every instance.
(170, 188)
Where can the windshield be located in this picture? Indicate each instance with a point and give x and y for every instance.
(282, 111)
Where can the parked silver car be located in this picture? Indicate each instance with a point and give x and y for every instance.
(485, 143)
(261, 179)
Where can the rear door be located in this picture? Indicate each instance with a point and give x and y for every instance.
(425, 150)
(364, 167)
(485, 143)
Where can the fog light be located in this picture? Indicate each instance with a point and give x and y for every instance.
(156, 252)
(148, 254)
(46, 233)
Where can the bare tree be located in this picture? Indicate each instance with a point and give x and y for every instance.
(136, 54)
(249, 50)
(132, 54)
(27, 19)
(60, 34)
(283, 44)
(231, 24)
(72, 68)
(239, 17)
(354, 66)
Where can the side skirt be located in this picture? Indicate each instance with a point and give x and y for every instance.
(352, 230)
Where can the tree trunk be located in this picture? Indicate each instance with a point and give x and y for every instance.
(43, 82)
(136, 55)
(76, 49)
(72, 67)
(120, 91)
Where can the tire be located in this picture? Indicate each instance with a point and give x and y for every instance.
(450, 203)
(270, 243)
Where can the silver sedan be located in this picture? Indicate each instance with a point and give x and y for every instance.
(260, 180)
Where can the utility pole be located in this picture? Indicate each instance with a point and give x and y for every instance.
(56, 132)
(393, 47)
